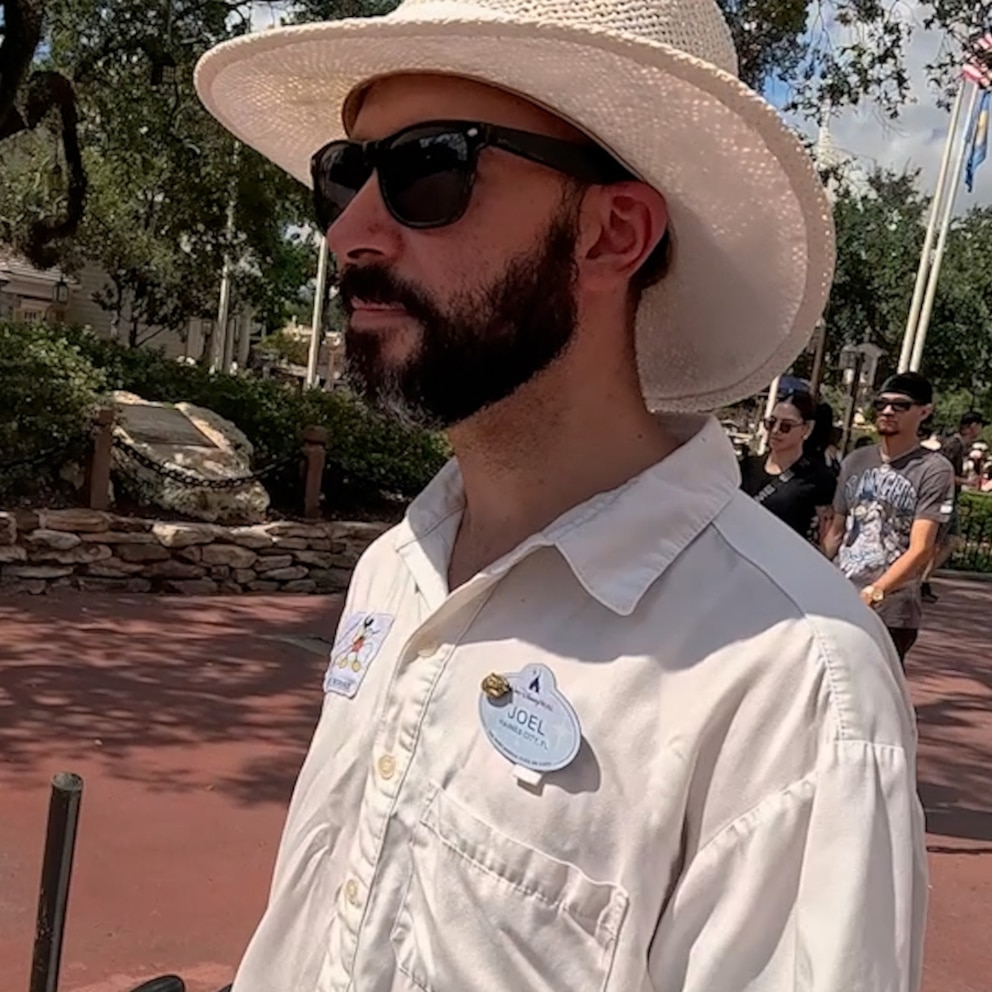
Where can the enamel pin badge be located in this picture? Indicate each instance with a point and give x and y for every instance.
(357, 645)
(528, 720)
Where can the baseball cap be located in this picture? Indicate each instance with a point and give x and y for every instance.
(912, 384)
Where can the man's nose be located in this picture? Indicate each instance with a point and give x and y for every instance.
(366, 229)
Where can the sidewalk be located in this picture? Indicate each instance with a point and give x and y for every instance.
(188, 719)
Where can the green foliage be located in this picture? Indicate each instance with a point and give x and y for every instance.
(977, 507)
(879, 241)
(974, 551)
(48, 389)
(368, 456)
(288, 347)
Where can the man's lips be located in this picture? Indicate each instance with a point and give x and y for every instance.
(362, 305)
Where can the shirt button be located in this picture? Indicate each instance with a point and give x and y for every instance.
(351, 892)
(387, 766)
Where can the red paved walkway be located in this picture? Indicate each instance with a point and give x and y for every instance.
(188, 719)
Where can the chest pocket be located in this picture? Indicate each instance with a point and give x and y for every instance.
(483, 911)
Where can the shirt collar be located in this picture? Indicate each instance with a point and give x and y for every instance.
(616, 543)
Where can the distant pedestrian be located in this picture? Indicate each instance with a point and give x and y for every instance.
(954, 449)
(797, 488)
(892, 499)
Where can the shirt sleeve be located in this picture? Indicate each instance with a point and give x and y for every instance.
(819, 888)
(840, 501)
(935, 496)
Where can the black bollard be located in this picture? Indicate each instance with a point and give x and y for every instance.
(56, 869)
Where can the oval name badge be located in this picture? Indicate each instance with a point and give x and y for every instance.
(533, 725)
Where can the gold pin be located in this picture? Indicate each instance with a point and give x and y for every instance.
(495, 686)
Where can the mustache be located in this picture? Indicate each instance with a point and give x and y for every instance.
(377, 284)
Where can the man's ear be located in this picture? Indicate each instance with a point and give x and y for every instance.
(619, 225)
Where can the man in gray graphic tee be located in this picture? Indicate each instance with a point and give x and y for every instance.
(891, 500)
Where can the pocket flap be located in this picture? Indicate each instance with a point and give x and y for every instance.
(598, 907)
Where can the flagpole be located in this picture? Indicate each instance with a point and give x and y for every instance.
(945, 224)
(923, 271)
(317, 323)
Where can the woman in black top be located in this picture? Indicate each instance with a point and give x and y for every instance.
(797, 489)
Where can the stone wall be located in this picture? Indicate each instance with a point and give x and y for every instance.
(89, 550)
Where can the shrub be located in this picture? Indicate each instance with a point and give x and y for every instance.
(285, 346)
(48, 389)
(368, 455)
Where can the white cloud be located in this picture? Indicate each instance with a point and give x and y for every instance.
(916, 139)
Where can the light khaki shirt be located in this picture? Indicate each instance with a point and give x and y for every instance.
(742, 813)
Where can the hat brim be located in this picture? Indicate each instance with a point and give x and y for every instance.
(751, 225)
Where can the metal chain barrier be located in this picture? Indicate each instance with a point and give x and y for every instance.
(194, 481)
(38, 458)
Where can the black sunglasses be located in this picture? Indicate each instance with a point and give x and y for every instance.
(784, 426)
(900, 406)
(426, 172)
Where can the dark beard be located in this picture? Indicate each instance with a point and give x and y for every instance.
(477, 351)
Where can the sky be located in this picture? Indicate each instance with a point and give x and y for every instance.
(916, 139)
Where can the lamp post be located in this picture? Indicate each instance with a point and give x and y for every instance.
(60, 292)
(859, 363)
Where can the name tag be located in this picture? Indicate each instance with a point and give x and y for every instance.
(532, 724)
(359, 641)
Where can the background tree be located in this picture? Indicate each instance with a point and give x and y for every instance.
(879, 240)
(162, 172)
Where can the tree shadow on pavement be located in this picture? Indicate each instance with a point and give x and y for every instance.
(950, 672)
(176, 693)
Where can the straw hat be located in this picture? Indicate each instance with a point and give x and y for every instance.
(652, 80)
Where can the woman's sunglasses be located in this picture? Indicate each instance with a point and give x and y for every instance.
(900, 406)
(426, 172)
(784, 426)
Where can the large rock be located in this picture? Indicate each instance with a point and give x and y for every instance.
(119, 537)
(142, 552)
(78, 521)
(269, 562)
(173, 569)
(185, 535)
(114, 568)
(54, 540)
(263, 586)
(84, 554)
(195, 441)
(8, 528)
(36, 571)
(255, 538)
(228, 554)
(13, 552)
(192, 587)
(300, 585)
(88, 584)
(322, 559)
(287, 574)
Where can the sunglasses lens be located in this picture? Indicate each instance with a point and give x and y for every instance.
(339, 171)
(427, 176)
(783, 425)
(900, 406)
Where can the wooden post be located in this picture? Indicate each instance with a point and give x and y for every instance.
(314, 454)
(98, 476)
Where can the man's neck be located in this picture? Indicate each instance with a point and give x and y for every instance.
(896, 445)
(526, 461)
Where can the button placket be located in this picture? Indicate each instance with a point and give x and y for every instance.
(408, 696)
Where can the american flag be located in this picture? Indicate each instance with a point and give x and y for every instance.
(978, 65)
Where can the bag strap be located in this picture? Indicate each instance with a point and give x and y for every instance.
(783, 478)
